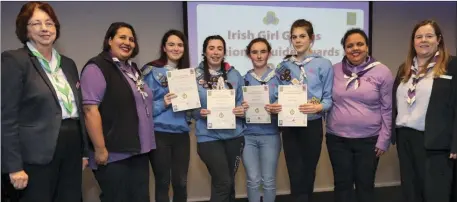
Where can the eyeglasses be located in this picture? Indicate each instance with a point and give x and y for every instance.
(37, 25)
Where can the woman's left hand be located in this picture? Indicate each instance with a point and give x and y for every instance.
(239, 111)
(85, 163)
(310, 108)
(379, 152)
(453, 156)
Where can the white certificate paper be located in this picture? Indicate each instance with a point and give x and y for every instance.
(257, 97)
(221, 104)
(290, 97)
(183, 84)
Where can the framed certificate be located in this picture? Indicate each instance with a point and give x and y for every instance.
(183, 84)
(291, 97)
(221, 104)
(257, 97)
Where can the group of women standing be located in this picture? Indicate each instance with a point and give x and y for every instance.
(116, 118)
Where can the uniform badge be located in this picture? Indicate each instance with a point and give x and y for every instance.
(295, 81)
(314, 100)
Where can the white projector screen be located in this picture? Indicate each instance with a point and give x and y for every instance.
(240, 22)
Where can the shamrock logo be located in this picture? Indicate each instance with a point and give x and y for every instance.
(270, 18)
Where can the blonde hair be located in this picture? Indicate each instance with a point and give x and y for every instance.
(441, 62)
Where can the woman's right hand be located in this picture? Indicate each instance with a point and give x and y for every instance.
(245, 105)
(168, 97)
(19, 179)
(204, 112)
(101, 156)
(273, 108)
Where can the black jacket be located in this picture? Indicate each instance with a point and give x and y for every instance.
(441, 117)
(31, 113)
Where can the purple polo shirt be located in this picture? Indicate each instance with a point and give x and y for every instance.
(93, 87)
(365, 111)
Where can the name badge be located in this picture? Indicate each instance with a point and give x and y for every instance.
(446, 77)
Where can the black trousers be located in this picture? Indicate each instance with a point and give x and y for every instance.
(412, 157)
(439, 176)
(125, 180)
(222, 158)
(61, 179)
(353, 161)
(171, 155)
(302, 149)
(9, 194)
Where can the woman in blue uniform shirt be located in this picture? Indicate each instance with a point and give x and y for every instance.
(171, 128)
(219, 149)
(263, 143)
(302, 145)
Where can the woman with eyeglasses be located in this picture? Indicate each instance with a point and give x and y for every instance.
(44, 139)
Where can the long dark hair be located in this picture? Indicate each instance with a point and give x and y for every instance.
(205, 60)
(112, 31)
(162, 61)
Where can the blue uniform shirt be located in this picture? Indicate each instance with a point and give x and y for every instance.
(202, 133)
(165, 120)
(268, 78)
(319, 78)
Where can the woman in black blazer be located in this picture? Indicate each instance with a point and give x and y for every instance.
(43, 133)
(424, 116)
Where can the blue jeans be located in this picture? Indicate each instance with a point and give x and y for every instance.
(260, 159)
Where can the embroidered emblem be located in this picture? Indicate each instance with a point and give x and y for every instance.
(314, 100)
(295, 81)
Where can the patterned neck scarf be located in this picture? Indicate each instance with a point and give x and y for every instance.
(355, 77)
(268, 77)
(418, 77)
(301, 65)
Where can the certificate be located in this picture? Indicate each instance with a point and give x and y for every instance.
(183, 84)
(257, 97)
(221, 104)
(290, 97)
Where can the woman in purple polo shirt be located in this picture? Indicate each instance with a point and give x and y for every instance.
(118, 115)
(358, 125)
